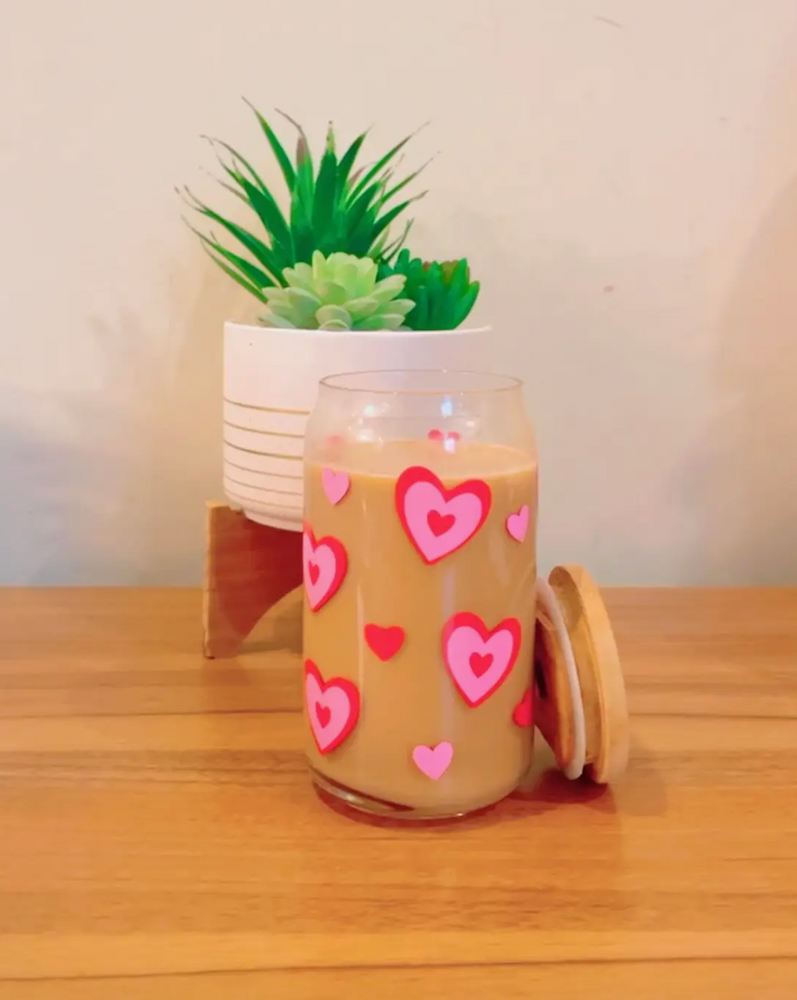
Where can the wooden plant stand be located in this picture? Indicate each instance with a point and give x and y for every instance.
(249, 567)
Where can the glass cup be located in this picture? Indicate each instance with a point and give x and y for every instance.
(419, 555)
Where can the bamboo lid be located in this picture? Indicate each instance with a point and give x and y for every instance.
(580, 704)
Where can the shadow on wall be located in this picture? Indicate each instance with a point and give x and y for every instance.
(38, 501)
(747, 488)
(111, 483)
(167, 442)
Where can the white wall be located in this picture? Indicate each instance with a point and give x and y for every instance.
(622, 174)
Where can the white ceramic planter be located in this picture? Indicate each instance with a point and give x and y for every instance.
(270, 384)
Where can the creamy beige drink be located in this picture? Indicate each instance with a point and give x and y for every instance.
(419, 561)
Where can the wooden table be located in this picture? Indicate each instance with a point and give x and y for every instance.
(159, 838)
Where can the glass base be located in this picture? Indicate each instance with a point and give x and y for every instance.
(366, 805)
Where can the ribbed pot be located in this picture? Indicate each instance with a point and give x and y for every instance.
(270, 383)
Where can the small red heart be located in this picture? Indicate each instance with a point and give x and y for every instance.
(438, 435)
(312, 572)
(439, 523)
(385, 642)
(480, 663)
(323, 714)
(522, 714)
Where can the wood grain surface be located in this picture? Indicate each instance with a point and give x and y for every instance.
(159, 838)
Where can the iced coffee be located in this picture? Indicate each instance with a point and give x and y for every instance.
(419, 570)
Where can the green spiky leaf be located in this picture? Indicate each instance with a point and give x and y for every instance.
(235, 275)
(237, 158)
(326, 184)
(407, 180)
(302, 230)
(254, 274)
(347, 162)
(277, 148)
(384, 221)
(442, 291)
(269, 214)
(380, 164)
(342, 208)
(466, 303)
(256, 247)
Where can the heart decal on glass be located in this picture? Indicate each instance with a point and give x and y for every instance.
(384, 642)
(479, 660)
(333, 708)
(522, 714)
(433, 761)
(438, 435)
(336, 485)
(438, 520)
(518, 524)
(325, 564)
(334, 443)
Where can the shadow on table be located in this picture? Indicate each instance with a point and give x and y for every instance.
(544, 790)
(255, 680)
(280, 628)
(552, 791)
(639, 792)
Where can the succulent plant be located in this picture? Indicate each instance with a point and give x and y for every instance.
(442, 291)
(339, 292)
(333, 210)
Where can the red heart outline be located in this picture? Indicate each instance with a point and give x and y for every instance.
(467, 618)
(385, 641)
(341, 565)
(349, 689)
(419, 474)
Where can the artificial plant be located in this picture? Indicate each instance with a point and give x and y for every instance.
(336, 210)
(340, 292)
(442, 291)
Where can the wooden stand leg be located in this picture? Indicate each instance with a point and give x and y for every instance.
(248, 568)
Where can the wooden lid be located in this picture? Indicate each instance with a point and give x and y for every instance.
(580, 705)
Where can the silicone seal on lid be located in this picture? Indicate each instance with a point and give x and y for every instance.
(580, 703)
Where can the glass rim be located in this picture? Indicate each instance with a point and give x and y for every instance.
(499, 383)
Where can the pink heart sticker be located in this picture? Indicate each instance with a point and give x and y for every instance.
(479, 660)
(522, 714)
(384, 642)
(518, 524)
(438, 520)
(336, 485)
(433, 761)
(325, 564)
(333, 708)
